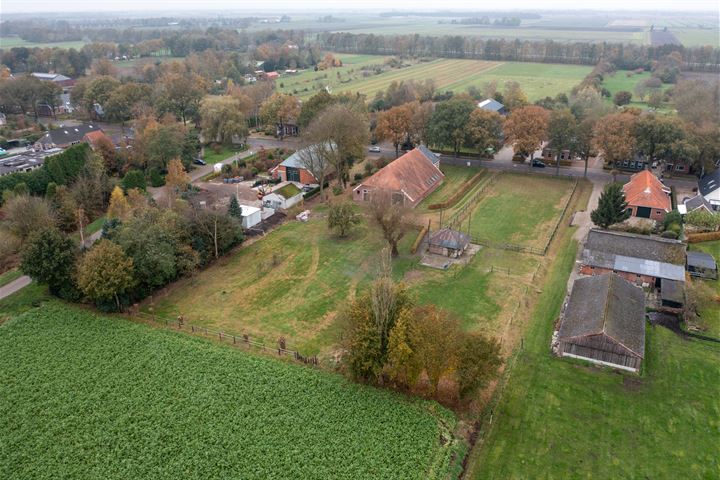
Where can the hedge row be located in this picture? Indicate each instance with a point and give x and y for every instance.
(459, 194)
(419, 239)
(702, 237)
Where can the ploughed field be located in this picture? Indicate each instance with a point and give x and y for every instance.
(92, 396)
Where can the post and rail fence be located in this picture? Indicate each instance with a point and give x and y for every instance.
(236, 340)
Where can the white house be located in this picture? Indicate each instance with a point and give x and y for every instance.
(710, 189)
(283, 197)
(251, 216)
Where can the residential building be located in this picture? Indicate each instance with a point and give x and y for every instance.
(641, 259)
(697, 202)
(647, 197)
(709, 187)
(604, 323)
(410, 178)
(292, 169)
(64, 137)
(57, 78)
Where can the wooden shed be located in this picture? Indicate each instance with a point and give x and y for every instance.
(604, 322)
(448, 242)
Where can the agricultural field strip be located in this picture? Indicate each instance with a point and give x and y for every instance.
(131, 401)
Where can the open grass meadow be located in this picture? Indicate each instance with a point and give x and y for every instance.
(357, 75)
(92, 396)
(565, 419)
(626, 80)
(519, 209)
(708, 292)
(12, 42)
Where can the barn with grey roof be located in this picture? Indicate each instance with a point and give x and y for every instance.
(604, 322)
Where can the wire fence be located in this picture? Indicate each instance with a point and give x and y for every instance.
(244, 340)
(457, 219)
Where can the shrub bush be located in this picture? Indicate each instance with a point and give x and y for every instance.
(358, 176)
(337, 190)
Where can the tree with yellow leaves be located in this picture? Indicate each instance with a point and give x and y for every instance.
(119, 207)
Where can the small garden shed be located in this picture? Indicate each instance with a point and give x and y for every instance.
(701, 264)
(604, 322)
(448, 242)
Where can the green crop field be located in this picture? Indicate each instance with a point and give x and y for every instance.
(11, 42)
(537, 80)
(520, 209)
(564, 419)
(695, 37)
(88, 396)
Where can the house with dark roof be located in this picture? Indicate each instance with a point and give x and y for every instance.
(492, 105)
(448, 242)
(604, 323)
(293, 168)
(709, 187)
(64, 137)
(409, 179)
(697, 202)
(25, 161)
(640, 259)
(647, 197)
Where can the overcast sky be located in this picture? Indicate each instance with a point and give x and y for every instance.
(15, 6)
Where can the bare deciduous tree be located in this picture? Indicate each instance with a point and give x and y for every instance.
(391, 216)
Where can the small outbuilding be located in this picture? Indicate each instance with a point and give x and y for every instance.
(250, 216)
(448, 242)
(604, 322)
(702, 265)
(283, 197)
(672, 294)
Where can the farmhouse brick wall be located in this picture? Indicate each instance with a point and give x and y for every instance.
(305, 176)
(655, 213)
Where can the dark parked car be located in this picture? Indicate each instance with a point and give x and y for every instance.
(199, 161)
(538, 163)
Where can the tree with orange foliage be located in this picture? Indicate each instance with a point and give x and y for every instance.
(614, 136)
(526, 128)
(393, 125)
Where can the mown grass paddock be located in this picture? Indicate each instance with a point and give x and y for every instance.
(92, 396)
(708, 292)
(294, 281)
(518, 209)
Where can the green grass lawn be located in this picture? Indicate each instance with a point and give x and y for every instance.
(10, 276)
(520, 209)
(708, 292)
(22, 301)
(290, 283)
(537, 79)
(90, 396)
(211, 157)
(455, 177)
(12, 42)
(620, 81)
(564, 419)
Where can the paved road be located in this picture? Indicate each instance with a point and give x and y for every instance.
(14, 286)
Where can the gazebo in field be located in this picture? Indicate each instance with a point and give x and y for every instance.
(448, 242)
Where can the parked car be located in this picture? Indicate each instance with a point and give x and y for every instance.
(199, 161)
(374, 149)
(538, 163)
(3, 152)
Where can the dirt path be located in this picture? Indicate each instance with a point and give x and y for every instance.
(584, 223)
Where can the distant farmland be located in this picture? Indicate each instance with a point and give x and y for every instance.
(359, 75)
(12, 42)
